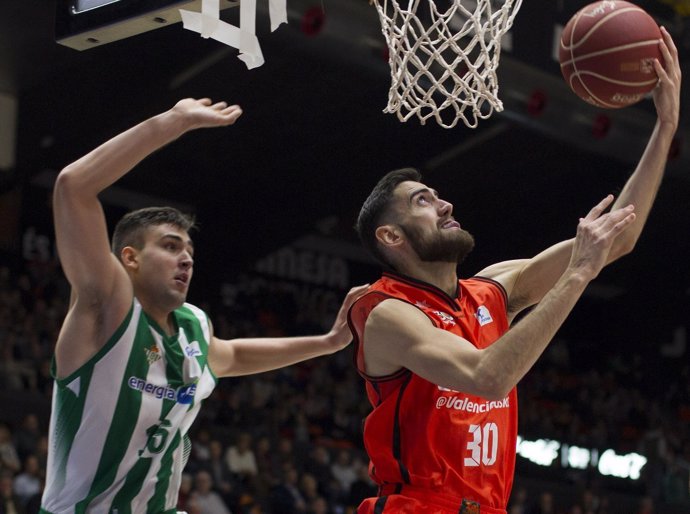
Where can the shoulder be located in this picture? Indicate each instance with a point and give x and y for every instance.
(190, 310)
(194, 317)
(379, 305)
(505, 273)
(484, 288)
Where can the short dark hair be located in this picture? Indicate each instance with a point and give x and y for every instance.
(129, 231)
(376, 205)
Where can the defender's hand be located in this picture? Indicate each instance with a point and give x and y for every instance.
(340, 335)
(203, 113)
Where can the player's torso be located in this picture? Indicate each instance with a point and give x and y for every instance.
(119, 423)
(434, 438)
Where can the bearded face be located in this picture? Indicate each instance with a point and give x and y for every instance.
(442, 245)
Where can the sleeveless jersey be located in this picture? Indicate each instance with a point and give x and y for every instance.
(118, 427)
(456, 449)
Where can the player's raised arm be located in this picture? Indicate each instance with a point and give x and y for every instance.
(79, 222)
(101, 290)
(527, 281)
(643, 185)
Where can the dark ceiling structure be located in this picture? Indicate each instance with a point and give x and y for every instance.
(313, 140)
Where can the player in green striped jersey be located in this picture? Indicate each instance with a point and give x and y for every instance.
(133, 360)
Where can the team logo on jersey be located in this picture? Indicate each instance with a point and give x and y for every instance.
(152, 354)
(483, 315)
(445, 318)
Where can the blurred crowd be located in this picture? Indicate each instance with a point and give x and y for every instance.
(289, 441)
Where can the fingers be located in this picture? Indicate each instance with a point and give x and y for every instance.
(608, 226)
(668, 45)
(355, 293)
(669, 52)
(617, 220)
(230, 109)
(232, 113)
(623, 224)
(228, 114)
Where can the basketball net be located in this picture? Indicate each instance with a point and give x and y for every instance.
(443, 63)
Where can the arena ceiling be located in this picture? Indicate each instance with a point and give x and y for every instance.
(313, 140)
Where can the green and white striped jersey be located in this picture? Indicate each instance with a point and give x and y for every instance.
(118, 427)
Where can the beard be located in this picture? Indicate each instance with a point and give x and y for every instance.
(442, 246)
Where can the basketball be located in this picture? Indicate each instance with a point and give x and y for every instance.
(607, 53)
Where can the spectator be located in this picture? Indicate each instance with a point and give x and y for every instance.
(9, 502)
(285, 455)
(28, 482)
(319, 506)
(27, 437)
(241, 460)
(185, 493)
(286, 497)
(205, 498)
(309, 487)
(220, 473)
(362, 487)
(41, 453)
(319, 465)
(344, 472)
(33, 504)
(266, 476)
(200, 446)
(9, 460)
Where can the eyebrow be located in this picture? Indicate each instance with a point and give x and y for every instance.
(420, 191)
(176, 237)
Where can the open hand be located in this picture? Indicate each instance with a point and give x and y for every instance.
(204, 113)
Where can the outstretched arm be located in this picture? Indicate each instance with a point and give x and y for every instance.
(253, 355)
(642, 186)
(528, 280)
(398, 335)
(101, 290)
(81, 231)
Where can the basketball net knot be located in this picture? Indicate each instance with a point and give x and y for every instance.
(443, 63)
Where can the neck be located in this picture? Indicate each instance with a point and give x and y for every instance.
(163, 317)
(443, 275)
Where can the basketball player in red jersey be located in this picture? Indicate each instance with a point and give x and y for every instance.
(439, 356)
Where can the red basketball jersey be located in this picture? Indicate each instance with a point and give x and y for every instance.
(421, 437)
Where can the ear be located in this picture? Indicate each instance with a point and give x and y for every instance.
(389, 235)
(130, 257)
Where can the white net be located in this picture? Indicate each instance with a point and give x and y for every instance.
(444, 60)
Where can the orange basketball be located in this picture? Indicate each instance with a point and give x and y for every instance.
(607, 53)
